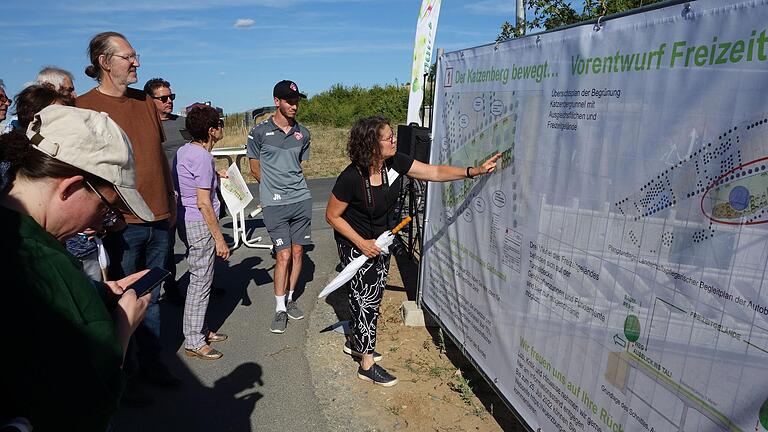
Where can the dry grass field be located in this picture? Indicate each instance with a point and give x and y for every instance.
(327, 153)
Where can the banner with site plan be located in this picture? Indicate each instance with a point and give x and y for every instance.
(611, 275)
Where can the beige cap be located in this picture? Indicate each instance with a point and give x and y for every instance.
(93, 142)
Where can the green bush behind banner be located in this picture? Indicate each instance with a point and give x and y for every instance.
(341, 106)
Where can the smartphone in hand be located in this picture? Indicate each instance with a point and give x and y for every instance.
(149, 281)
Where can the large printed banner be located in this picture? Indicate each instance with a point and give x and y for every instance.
(611, 276)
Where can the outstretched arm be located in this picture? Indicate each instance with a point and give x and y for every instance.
(442, 173)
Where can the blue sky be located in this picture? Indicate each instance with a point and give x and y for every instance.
(233, 51)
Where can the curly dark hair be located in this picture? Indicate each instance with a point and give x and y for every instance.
(199, 120)
(363, 146)
(33, 99)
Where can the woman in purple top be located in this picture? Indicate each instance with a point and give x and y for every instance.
(196, 180)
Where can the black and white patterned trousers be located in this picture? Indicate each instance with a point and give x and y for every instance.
(365, 294)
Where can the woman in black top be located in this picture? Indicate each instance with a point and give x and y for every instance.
(358, 210)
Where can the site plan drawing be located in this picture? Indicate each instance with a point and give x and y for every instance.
(611, 275)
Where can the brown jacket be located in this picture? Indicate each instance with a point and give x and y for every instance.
(136, 114)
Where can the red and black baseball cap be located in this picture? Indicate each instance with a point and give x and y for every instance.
(286, 89)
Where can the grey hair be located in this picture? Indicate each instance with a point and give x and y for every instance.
(54, 75)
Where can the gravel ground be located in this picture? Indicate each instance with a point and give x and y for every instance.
(333, 372)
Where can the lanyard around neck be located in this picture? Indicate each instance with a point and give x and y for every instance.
(370, 202)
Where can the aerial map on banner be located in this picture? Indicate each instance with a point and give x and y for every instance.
(611, 275)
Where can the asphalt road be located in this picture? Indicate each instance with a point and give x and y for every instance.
(263, 382)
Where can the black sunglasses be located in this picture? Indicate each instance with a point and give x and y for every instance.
(165, 98)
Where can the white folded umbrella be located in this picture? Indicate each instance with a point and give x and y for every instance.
(383, 242)
(103, 257)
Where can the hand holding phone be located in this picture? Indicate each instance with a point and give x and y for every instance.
(149, 281)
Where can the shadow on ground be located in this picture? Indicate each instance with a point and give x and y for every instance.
(238, 277)
(226, 405)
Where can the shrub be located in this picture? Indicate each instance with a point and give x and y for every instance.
(341, 106)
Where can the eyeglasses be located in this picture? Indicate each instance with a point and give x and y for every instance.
(129, 58)
(112, 216)
(66, 90)
(221, 123)
(392, 138)
(4, 100)
(165, 98)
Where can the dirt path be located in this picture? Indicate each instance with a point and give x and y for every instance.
(437, 389)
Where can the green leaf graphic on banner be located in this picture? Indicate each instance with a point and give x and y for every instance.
(632, 328)
(764, 415)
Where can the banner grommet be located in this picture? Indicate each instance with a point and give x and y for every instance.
(598, 25)
(687, 12)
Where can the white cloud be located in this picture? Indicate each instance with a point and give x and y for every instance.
(163, 25)
(244, 23)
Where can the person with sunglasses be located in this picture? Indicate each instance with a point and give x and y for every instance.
(196, 179)
(141, 245)
(174, 129)
(4, 102)
(72, 169)
(174, 126)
